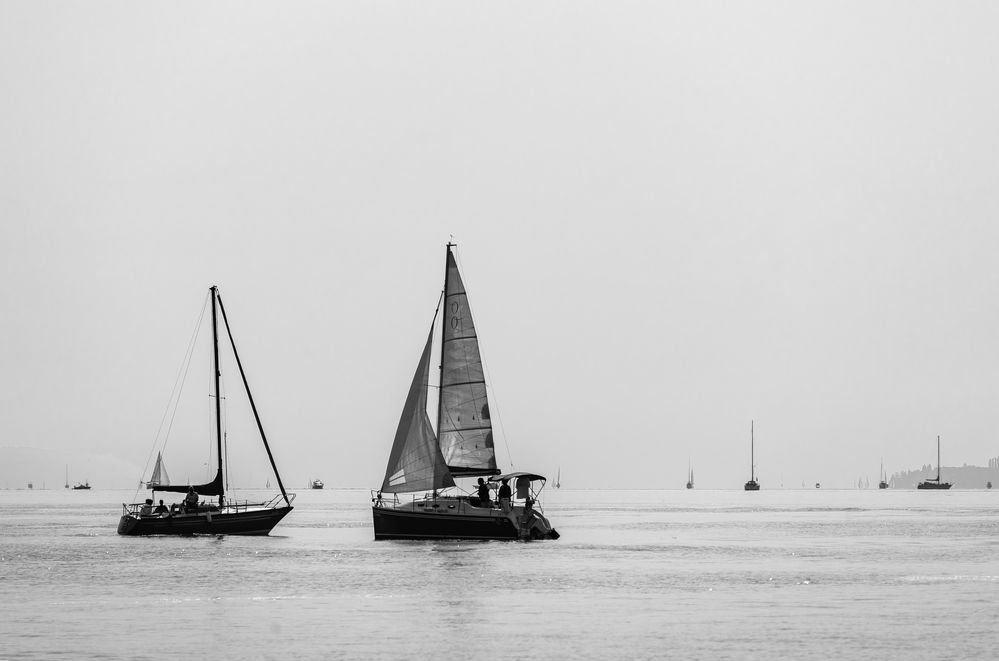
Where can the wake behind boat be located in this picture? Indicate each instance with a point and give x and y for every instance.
(196, 516)
(423, 465)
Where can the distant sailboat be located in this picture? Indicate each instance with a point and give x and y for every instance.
(66, 486)
(558, 478)
(317, 484)
(690, 476)
(883, 484)
(425, 461)
(159, 477)
(936, 483)
(752, 485)
(85, 485)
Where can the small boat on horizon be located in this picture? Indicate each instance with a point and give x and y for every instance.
(935, 483)
(690, 476)
(752, 485)
(227, 516)
(883, 484)
(85, 485)
(316, 484)
(424, 463)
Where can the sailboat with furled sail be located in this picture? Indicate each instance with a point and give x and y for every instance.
(419, 498)
(753, 484)
(931, 482)
(193, 516)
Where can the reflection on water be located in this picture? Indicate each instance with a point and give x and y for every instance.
(636, 574)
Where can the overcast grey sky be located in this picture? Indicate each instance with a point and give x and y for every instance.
(672, 218)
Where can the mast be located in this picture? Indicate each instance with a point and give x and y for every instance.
(218, 396)
(249, 396)
(440, 386)
(752, 465)
(938, 458)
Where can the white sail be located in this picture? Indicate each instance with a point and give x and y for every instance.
(415, 463)
(463, 423)
(159, 477)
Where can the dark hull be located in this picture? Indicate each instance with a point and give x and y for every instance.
(933, 485)
(395, 524)
(252, 522)
(752, 485)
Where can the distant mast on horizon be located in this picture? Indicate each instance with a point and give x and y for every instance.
(752, 485)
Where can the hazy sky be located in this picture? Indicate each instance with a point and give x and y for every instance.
(673, 218)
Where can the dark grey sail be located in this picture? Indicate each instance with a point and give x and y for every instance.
(415, 463)
(464, 428)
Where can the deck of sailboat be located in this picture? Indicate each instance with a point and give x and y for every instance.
(231, 519)
(444, 517)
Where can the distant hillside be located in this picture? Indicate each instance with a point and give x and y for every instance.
(962, 477)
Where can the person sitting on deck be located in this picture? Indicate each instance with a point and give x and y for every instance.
(161, 509)
(504, 495)
(191, 499)
(484, 500)
(147, 508)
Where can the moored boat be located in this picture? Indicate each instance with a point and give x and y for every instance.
(419, 498)
(752, 484)
(196, 516)
(935, 483)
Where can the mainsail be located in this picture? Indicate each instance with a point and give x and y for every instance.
(463, 424)
(416, 463)
(159, 477)
(213, 488)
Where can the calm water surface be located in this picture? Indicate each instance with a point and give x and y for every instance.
(637, 574)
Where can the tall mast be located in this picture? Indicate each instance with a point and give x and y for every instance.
(218, 396)
(752, 465)
(440, 387)
(938, 458)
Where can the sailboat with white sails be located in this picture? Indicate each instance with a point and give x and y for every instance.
(419, 498)
(159, 478)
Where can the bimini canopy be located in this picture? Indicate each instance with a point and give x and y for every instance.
(523, 483)
(530, 477)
